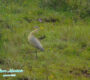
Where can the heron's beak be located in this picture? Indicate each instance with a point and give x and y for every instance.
(36, 30)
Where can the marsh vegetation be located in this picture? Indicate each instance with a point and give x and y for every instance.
(66, 33)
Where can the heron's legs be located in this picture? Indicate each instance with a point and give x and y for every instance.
(36, 54)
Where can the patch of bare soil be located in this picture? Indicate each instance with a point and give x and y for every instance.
(78, 72)
(50, 19)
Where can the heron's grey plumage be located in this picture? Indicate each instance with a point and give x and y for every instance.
(34, 41)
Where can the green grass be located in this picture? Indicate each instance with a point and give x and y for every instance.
(67, 44)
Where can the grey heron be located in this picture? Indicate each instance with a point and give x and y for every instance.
(35, 41)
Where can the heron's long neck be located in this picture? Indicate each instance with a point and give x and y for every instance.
(32, 33)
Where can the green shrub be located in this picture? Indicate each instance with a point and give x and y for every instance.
(81, 8)
(55, 4)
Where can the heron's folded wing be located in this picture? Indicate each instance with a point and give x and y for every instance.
(36, 43)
